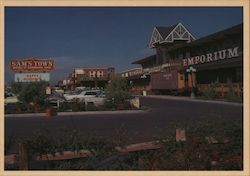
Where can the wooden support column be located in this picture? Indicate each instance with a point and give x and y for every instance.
(23, 157)
(180, 135)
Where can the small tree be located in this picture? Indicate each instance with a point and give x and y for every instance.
(231, 95)
(211, 93)
(118, 91)
(30, 92)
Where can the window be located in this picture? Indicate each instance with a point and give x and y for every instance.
(101, 74)
(91, 93)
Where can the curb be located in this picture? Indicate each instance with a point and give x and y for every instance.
(77, 113)
(194, 100)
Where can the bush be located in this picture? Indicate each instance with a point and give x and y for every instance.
(231, 96)
(30, 92)
(17, 108)
(211, 92)
(117, 91)
(194, 154)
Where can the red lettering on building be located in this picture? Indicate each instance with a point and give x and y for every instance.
(27, 65)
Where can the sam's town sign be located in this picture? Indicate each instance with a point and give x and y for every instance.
(31, 69)
(212, 57)
(27, 65)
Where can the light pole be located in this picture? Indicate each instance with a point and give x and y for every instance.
(144, 92)
(191, 70)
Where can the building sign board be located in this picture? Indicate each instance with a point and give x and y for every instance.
(160, 67)
(31, 65)
(163, 80)
(212, 57)
(32, 77)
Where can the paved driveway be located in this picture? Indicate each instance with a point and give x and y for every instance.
(161, 120)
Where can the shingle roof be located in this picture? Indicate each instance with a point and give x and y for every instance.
(145, 59)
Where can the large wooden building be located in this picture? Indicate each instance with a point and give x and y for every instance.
(93, 77)
(182, 62)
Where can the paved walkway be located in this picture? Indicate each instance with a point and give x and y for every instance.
(194, 99)
(77, 113)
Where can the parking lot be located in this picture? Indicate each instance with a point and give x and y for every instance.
(158, 121)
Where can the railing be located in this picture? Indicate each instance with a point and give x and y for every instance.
(222, 88)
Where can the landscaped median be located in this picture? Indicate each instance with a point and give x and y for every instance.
(81, 108)
(185, 151)
(116, 98)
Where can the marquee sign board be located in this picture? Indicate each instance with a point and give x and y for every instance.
(32, 77)
(31, 65)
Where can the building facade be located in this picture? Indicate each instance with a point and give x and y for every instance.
(136, 79)
(214, 58)
(92, 77)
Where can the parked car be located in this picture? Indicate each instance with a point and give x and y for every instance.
(8, 94)
(80, 95)
(56, 97)
(58, 90)
(11, 99)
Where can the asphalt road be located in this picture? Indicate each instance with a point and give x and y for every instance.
(162, 117)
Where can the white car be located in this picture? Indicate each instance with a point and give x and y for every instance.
(12, 99)
(81, 95)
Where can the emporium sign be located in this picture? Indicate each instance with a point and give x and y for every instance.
(31, 65)
(31, 77)
(212, 57)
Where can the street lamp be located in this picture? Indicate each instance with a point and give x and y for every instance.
(144, 92)
(191, 70)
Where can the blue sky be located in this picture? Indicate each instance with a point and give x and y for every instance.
(100, 36)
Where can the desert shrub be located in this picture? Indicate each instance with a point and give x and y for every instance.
(231, 95)
(30, 92)
(117, 92)
(211, 92)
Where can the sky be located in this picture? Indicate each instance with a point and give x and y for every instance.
(100, 36)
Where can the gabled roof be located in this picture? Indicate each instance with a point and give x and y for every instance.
(237, 29)
(170, 34)
(165, 31)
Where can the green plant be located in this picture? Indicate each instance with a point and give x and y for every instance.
(117, 92)
(40, 143)
(70, 140)
(30, 92)
(231, 95)
(211, 93)
(194, 154)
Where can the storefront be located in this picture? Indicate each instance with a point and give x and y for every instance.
(217, 58)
